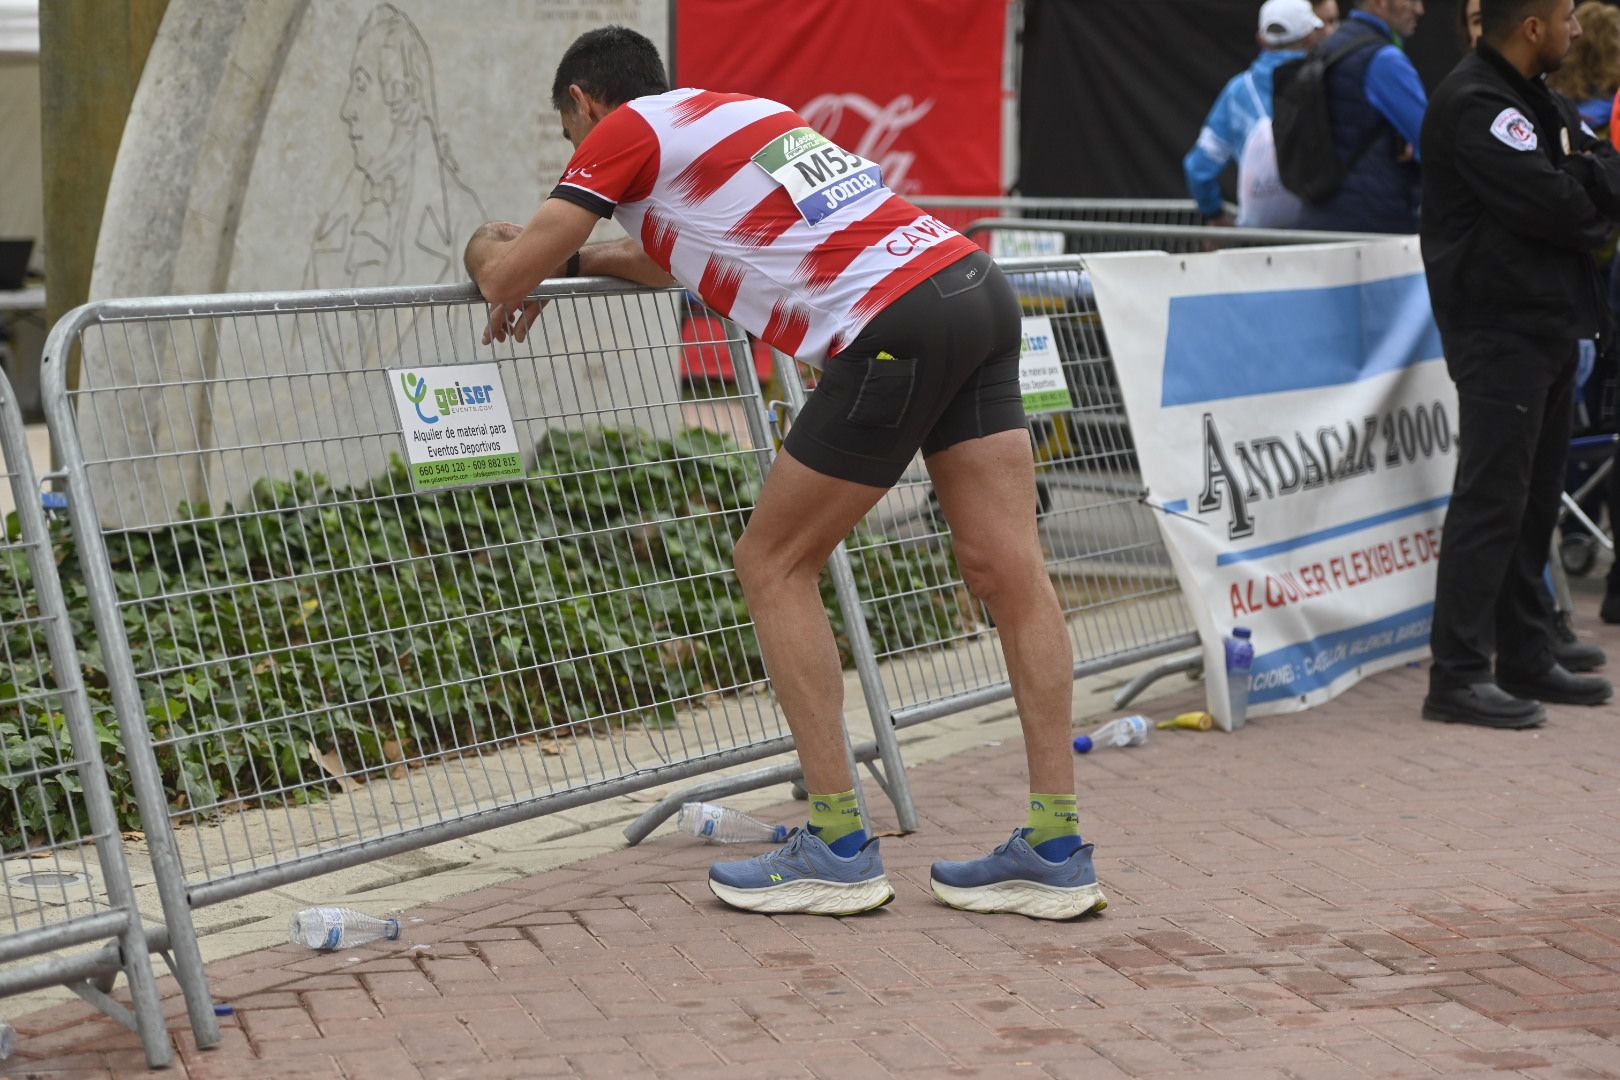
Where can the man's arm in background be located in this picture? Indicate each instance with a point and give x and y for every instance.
(1394, 89)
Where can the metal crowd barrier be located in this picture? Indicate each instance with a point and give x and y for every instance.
(959, 211)
(71, 914)
(332, 665)
(335, 666)
(1101, 237)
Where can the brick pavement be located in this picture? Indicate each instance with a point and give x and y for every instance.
(1352, 892)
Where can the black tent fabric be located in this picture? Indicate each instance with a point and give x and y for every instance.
(1114, 91)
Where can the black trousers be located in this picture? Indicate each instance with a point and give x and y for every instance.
(1515, 398)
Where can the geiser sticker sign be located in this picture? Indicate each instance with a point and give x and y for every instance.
(1297, 430)
(457, 425)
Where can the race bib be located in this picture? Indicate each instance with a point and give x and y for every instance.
(821, 177)
(1513, 128)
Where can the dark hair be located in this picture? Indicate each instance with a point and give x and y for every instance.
(1499, 18)
(613, 64)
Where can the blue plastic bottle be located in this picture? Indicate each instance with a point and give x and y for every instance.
(1239, 660)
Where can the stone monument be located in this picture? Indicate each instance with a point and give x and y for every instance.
(286, 145)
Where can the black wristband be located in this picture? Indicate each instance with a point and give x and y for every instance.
(572, 269)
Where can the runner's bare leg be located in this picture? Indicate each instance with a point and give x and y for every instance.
(799, 519)
(987, 489)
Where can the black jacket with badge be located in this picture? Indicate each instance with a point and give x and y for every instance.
(1516, 195)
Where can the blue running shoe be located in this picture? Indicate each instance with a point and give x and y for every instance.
(1014, 878)
(804, 876)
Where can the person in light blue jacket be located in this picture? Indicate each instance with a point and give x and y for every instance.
(1287, 30)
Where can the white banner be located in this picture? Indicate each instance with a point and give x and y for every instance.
(1296, 426)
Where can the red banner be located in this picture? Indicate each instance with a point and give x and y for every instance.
(914, 86)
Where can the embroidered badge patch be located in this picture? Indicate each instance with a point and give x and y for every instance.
(1514, 129)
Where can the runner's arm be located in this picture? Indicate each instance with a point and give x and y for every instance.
(506, 262)
(506, 267)
(622, 258)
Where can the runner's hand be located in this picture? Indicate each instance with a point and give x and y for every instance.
(504, 320)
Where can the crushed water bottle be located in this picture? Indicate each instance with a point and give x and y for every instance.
(723, 825)
(1125, 731)
(8, 1040)
(329, 928)
(1239, 661)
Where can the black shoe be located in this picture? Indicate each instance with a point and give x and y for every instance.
(1556, 686)
(1484, 704)
(1569, 651)
(1610, 611)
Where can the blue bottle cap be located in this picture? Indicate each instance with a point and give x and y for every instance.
(1240, 631)
(1082, 744)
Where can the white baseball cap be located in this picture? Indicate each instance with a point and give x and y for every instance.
(1283, 22)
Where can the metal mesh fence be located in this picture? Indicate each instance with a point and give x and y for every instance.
(62, 869)
(334, 661)
(1016, 236)
(960, 211)
(1103, 548)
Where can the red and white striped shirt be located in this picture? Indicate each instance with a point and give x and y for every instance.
(795, 239)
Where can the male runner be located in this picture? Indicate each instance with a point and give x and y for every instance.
(917, 336)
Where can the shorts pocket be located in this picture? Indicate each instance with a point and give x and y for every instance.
(963, 276)
(885, 392)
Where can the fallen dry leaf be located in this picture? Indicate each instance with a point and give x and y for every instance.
(394, 752)
(677, 651)
(333, 766)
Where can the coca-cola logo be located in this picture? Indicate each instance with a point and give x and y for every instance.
(862, 126)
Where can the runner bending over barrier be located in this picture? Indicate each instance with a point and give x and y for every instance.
(917, 336)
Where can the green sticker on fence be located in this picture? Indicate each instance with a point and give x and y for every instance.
(457, 425)
(1040, 369)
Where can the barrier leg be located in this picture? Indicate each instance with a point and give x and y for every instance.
(1133, 689)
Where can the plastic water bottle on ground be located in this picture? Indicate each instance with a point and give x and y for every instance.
(723, 825)
(1125, 731)
(1239, 661)
(8, 1040)
(329, 928)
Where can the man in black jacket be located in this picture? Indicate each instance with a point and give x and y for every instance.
(1516, 194)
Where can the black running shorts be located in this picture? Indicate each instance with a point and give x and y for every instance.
(937, 367)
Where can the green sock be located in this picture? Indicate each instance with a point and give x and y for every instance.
(1053, 818)
(836, 817)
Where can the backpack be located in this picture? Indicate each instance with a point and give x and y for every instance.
(1302, 127)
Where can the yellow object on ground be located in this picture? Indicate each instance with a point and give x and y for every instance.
(1192, 721)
